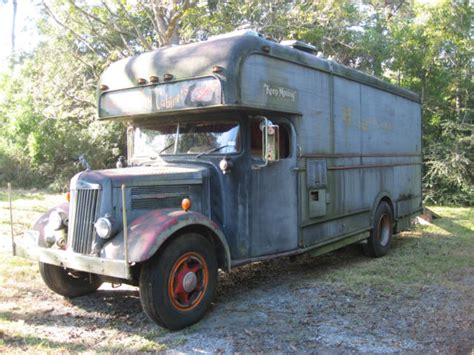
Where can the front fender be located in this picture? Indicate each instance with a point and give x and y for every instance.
(148, 232)
(40, 224)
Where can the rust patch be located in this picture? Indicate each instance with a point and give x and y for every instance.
(149, 231)
(347, 116)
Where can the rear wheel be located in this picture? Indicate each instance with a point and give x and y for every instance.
(177, 286)
(68, 283)
(378, 244)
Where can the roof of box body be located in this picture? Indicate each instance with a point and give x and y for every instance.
(227, 51)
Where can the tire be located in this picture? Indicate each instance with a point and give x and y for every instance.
(68, 283)
(178, 284)
(378, 244)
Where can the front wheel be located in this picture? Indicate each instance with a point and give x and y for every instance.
(68, 283)
(378, 243)
(178, 284)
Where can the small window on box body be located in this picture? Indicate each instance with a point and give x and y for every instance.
(256, 140)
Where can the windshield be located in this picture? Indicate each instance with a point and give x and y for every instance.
(187, 138)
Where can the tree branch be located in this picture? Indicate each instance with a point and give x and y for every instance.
(85, 13)
(96, 74)
(78, 36)
(121, 33)
(75, 98)
(139, 34)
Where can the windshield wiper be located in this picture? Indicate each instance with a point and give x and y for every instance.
(154, 157)
(166, 148)
(212, 150)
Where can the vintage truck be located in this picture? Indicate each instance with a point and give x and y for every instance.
(239, 149)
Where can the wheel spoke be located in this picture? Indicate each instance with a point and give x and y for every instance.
(196, 268)
(186, 267)
(178, 281)
(182, 297)
(179, 288)
(185, 298)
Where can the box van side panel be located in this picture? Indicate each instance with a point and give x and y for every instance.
(391, 143)
(347, 117)
(346, 191)
(390, 124)
(357, 143)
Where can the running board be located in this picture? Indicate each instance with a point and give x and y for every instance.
(339, 244)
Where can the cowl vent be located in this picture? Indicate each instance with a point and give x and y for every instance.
(302, 46)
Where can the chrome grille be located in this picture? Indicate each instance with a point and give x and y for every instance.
(85, 208)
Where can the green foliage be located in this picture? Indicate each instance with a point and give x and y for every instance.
(426, 48)
(47, 110)
(47, 100)
(432, 54)
(36, 150)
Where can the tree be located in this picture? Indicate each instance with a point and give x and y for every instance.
(166, 17)
(49, 107)
(13, 28)
(432, 54)
(48, 114)
(14, 11)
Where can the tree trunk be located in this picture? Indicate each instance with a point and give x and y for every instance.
(14, 2)
(167, 19)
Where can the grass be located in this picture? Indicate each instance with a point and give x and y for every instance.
(20, 283)
(28, 206)
(437, 254)
(22, 341)
(427, 255)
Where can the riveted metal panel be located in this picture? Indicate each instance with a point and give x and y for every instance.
(332, 229)
(407, 206)
(389, 123)
(312, 97)
(347, 120)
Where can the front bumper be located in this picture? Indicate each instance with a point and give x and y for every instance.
(27, 247)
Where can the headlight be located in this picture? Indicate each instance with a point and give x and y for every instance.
(55, 220)
(103, 227)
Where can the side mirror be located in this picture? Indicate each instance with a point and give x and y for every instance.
(121, 162)
(270, 142)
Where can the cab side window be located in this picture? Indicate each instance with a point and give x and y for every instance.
(256, 140)
(284, 138)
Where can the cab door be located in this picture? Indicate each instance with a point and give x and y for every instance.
(273, 192)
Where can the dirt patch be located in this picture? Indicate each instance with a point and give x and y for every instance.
(271, 306)
(418, 299)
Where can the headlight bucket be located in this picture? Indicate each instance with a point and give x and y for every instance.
(57, 220)
(104, 227)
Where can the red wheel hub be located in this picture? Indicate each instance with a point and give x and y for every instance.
(188, 281)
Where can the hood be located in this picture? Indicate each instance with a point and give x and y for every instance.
(142, 175)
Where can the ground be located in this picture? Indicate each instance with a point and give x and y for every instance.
(419, 298)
